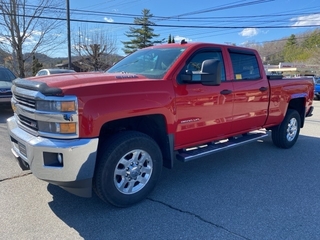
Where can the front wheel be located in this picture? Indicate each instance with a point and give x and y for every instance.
(128, 167)
(286, 134)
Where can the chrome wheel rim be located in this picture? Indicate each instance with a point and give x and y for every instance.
(292, 129)
(133, 171)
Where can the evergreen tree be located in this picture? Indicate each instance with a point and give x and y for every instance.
(172, 41)
(36, 66)
(312, 40)
(290, 49)
(140, 37)
(293, 52)
(169, 39)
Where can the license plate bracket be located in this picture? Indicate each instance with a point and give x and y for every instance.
(22, 149)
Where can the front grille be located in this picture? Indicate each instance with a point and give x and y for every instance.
(42, 120)
(28, 102)
(29, 123)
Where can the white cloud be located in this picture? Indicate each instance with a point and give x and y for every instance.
(4, 40)
(36, 32)
(178, 39)
(313, 19)
(108, 19)
(31, 40)
(249, 32)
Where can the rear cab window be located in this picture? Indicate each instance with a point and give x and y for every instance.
(245, 65)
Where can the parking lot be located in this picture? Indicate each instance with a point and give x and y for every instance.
(256, 191)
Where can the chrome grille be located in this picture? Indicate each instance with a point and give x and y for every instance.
(28, 102)
(42, 122)
(30, 123)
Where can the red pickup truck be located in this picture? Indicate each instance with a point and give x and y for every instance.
(114, 131)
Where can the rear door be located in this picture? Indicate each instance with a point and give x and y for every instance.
(250, 90)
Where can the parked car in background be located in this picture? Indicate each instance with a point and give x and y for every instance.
(6, 78)
(50, 71)
(317, 89)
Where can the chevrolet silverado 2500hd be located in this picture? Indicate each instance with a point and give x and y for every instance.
(113, 132)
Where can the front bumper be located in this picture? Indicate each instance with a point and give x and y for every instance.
(74, 173)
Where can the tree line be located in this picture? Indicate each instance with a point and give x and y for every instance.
(302, 48)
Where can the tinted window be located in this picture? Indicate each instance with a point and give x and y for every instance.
(245, 66)
(195, 62)
(6, 75)
(42, 73)
(152, 63)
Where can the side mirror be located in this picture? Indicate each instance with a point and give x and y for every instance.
(187, 76)
(211, 72)
(209, 75)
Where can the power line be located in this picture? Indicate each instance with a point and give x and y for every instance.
(164, 25)
(182, 17)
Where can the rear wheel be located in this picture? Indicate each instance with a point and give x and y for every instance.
(128, 167)
(286, 134)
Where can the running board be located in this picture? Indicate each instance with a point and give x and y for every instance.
(202, 151)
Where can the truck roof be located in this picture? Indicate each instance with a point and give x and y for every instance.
(193, 44)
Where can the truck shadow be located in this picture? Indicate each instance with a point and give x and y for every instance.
(232, 189)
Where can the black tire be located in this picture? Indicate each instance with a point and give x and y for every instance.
(128, 167)
(286, 134)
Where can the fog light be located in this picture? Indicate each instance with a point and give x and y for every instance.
(52, 159)
(60, 158)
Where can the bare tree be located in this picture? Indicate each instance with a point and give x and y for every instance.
(95, 47)
(27, 27)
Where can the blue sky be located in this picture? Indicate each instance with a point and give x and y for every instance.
(228, 21)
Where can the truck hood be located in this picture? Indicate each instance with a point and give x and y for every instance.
(74, 80)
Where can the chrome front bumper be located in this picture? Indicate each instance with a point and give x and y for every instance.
(74, 173)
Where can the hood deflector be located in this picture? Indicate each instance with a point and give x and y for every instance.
(38, 86)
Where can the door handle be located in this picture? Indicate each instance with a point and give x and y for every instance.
(226, 92)
(263, 89)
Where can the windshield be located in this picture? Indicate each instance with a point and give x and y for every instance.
(152, 63)
(6, 75)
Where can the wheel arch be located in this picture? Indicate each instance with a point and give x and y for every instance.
(298, 104)
(151, 125)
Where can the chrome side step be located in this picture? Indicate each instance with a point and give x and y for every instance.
(205, 150)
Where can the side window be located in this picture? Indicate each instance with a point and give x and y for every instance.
(41, 73)
(195, 63)
(245, 66)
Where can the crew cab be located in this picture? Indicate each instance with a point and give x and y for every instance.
(114, 131)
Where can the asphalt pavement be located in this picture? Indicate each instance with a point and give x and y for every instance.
(256, 191)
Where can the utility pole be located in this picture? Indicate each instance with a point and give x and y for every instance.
(68, 34)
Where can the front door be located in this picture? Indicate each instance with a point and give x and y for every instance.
(204, 113)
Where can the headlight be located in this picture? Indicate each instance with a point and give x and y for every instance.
(51, 127)
(56, 106)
